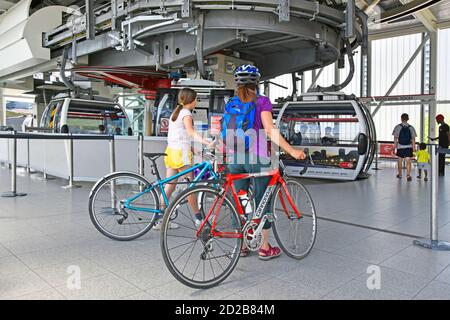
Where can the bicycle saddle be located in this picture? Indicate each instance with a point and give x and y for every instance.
(154, 156)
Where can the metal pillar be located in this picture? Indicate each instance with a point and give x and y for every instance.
(112, 166)
(433, 242)
(141, 158)
(13, 193)
(2, 109)
(377, 155)
(402, 73)
(90, 20)
(433, 81)
(71, 185)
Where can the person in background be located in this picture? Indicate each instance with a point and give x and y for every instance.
(404, 145)
(117, 131)
(423, 158)
(101, 129)
(444, 140)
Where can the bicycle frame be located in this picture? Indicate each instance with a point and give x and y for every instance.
(276, 179)
(204, 167)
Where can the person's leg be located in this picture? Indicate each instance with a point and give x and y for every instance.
(192, 199)
(441, 164)
(426, 174)
(169, 187)
(399, 167)
(260, 187)
(408, 168)
(419, 176)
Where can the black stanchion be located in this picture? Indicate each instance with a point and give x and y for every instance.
(434, 243)
(13, 193)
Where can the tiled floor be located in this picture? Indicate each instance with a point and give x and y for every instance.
(47, 234)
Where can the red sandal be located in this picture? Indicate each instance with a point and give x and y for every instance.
(272, 252)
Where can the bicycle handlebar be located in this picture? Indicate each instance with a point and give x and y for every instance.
(308, 160)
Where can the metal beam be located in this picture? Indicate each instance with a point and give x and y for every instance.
(315, 78)
(402, 73)
(425, 16)
(350, 19)
(90, 20)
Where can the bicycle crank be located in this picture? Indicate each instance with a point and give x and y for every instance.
(252, 235)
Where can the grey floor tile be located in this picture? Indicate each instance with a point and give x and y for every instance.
(285, 291)
(420, 267)
(104, 287)
(140, 296)
(48, 257)
(435, 291)
(438, 257)
(148, 276)
(10, 265)
(19, 284)
(444, 276)
(32, 244)
(49, 294)
(371, 250)
(4, 252)
(58, 275)
(178, 291)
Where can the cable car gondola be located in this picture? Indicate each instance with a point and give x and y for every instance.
(337, 130)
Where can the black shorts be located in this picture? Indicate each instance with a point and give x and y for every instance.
(405, 153)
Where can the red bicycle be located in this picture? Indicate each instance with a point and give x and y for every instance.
(204, 250)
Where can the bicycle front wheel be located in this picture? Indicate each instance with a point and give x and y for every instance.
(204, 260)
(296, 236)
(107, 211)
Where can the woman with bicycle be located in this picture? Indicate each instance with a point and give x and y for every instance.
(255, 158)
(179, 153)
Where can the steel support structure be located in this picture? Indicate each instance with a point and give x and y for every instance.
(402, 72)
(433, 83)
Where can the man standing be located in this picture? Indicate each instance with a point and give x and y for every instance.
(405, 144)
(444, 139)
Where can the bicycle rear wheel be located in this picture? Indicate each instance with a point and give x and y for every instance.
(205, 260)
(108, 214)
(296, 236)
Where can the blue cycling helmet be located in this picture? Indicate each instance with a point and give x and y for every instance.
(246, 74)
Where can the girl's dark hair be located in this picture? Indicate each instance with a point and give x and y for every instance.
(247, 92)
(185, 96)
(422, 146)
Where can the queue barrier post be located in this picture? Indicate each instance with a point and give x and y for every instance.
(13, 193)
(141, 158)
(377, 155)
(112, 164)
(71, 185)
(434, 243)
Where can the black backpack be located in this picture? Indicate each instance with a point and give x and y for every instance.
(405, 137)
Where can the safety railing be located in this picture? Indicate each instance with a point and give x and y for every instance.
(14, 136)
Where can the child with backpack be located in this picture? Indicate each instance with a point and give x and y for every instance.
(404, 144)
(246, 124)
(423, 158)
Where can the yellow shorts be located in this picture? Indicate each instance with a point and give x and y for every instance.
(177, 158)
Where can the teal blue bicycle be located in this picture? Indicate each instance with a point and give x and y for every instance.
(125, 205)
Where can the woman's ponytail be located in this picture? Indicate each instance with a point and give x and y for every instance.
(185, 96)
(176, 112)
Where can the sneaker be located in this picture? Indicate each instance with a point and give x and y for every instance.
(419, 177)
(426, 179)
(399, 176)
(158, 223)
(409, 178)
(198, 222)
